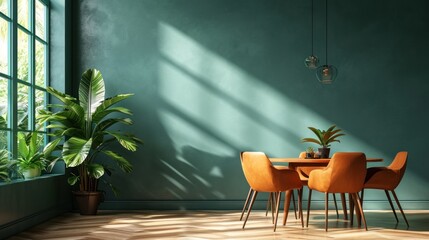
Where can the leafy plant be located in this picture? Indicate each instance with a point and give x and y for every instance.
(84, 126)
(324, 137)
(4, 165)
(310, 150)
(30, 154)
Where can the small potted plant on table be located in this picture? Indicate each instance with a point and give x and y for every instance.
(324, 139)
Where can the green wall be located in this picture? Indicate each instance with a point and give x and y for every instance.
(213, 78)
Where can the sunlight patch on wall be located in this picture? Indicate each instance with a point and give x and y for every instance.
(220, 108)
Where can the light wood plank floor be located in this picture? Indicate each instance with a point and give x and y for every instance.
(223, 225)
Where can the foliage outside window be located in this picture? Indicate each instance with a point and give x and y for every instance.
(24, 47)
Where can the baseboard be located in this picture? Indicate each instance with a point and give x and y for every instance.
(24, 223)
(238, 205)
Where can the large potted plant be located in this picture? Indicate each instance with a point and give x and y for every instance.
(324, 139)
(84, 125)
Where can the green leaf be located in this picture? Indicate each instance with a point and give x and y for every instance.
(101, 112)
(72, 110)
(75, 151)
(123, 163)
(312, 140)
(95, 170)
(51, 146)
(23, 150)
(127, 141)
(91, 91)
(72, 180)
(111, 121)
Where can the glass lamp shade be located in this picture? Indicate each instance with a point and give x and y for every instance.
(326, 74)
(311, 62)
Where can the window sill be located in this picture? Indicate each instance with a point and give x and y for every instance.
(44, 176)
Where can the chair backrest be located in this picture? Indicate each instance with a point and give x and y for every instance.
(259, 171)
(302, 155)
(399, 164)
(348, 171)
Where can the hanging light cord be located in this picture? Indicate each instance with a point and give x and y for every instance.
(326, 25)
(312, 28)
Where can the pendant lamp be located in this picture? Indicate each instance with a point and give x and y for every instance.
(326, 74)
(312, 61)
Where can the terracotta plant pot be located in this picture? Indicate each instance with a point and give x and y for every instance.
(87, 202)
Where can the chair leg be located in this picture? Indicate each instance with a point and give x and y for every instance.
(351, 207)
(268, 204)
(279, 195)
(326, 211)
(273, 205)
(250, 207)
(391, 204)
(308, 206)
(294, 203)
(335, 203)
(245, 204)
(300, 206)
(358, 203)
(286, 206)
(343, 202)
(400, 208)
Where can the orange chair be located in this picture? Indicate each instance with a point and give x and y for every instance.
(387, 179)
(262, 176)
(345, 173)
(304, 172)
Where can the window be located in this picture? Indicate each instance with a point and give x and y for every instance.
(24, 47)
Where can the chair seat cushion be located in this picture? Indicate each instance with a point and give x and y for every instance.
(381, 178)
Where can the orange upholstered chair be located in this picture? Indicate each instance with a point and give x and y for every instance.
(262, 176)
(304, 173)
(387, 179)
(345, 173)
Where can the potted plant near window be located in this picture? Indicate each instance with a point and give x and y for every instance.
(324, 139)
(31, 158)
(84, 125)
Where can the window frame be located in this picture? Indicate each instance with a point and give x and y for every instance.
(12, 127)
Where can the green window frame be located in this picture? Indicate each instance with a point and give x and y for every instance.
(24, 68)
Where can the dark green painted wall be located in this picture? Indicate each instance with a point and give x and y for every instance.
(213, 78)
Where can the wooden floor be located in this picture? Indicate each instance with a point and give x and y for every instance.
(222, 225)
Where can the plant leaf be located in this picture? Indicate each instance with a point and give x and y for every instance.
(123, 163)
(91, 92)
(95, 170)
(75, 151)
(72, 180)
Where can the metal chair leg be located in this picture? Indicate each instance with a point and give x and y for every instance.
(308, 206)
(250, 207)
(352, 207)
(343, 202)
(246, 203)
(326, 211)
(286, 206)
(358, 203)
(279, 194)
(400, 208)
(391, 205)
(336, 207)
(294, 204)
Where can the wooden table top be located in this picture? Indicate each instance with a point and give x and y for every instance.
(308, 160)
